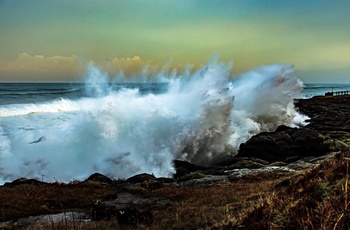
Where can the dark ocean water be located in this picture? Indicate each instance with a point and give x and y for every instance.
(319, 89)
(22, 93)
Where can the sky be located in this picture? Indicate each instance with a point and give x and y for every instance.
(50, 40)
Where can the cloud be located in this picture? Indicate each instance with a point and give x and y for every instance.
(128, 65)
(28, 67)
(39, 68)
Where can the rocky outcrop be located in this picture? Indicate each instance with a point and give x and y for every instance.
(184, 167)
(140, 178)
(326, 113)
(285, 144)
(125, 208)
(98, 177)
(22, 182)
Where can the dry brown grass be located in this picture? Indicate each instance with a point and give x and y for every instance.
(29, 200)
(186, 207)
(317, 200)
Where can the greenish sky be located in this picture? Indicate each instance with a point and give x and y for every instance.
(50, 40)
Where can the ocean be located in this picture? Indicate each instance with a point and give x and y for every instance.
(27, 93)
(67, 131)
(319, 89)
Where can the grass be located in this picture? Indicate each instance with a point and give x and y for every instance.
(185, 207)
(317, 198)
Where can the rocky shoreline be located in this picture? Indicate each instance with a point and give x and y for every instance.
(270, 157)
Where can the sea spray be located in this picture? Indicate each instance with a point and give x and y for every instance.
(201, 118)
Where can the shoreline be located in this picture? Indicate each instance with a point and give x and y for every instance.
(148, 199)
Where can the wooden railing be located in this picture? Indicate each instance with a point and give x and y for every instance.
(338, 93)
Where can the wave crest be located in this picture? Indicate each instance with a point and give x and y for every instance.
(200, 118)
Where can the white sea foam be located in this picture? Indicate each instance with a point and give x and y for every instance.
(201, 118)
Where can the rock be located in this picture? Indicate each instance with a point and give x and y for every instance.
(191, 176)
(283, 183)
(23, 181)
(184, 167)
(101, 211)
(278, 163)
(300, 164)
(132, 216)
(128, 208)
(207, 180)
(236, 174)
(251, 164)
(326, 113)
(165, 180)
(140, 178)
(307, 142)
(100, 178)
(285, 144)
(67, 218)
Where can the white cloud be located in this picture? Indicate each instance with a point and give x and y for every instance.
(39, 67)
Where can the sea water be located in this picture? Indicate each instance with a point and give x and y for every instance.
(67, 131)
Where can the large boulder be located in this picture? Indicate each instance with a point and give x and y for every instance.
(140, 178)
(285, 144)
(23, 181)
(98, 177)
(184, 168)
(132, 216)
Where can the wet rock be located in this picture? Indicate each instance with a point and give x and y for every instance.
(184, 167)
(140, 178)
(285, 144)
(300, 164)
(204, 181)
(251, 164)
(191, 176)
(236, 174)
(326, 113)
(100, 178)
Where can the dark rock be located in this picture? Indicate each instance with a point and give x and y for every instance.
(184, 167)
(132, 216)
(100, 178)
(165, 180)
(327, 113)
(246, 164)
(285, 144)
(283, 183)
(140, 178)
(214, 171)
(191, 176)
(23, 181)
(101, 211)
